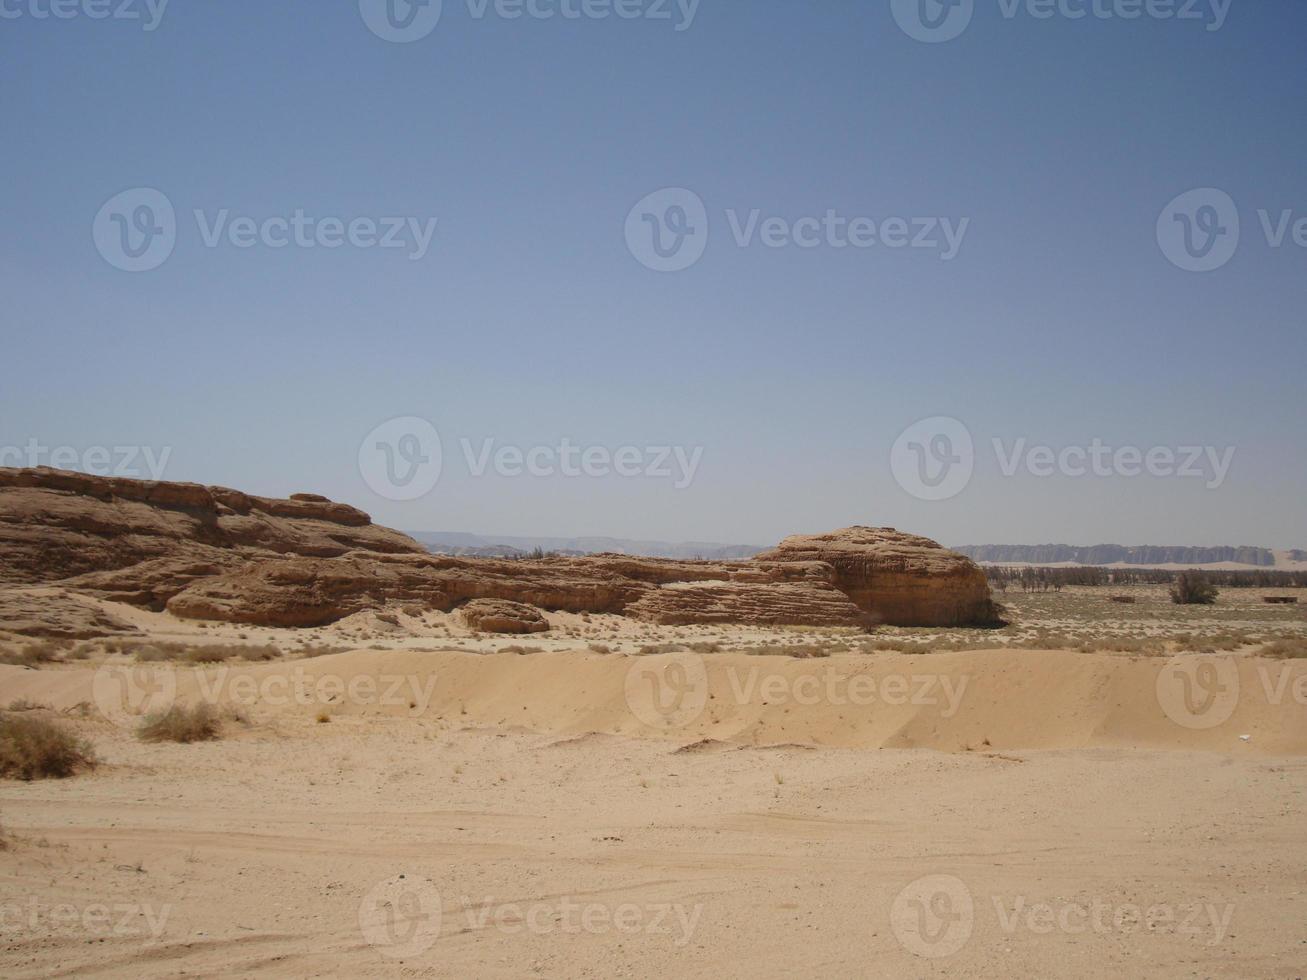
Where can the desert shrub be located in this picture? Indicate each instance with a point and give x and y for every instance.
(181, 724)
(1192, 589)
(650, 649)
(321, 651)
(1290, 649)
(207, 654)
(211, 653)
(22, 704)
(520, 650)
(262, 653)
(32, 655)
(706, 646)
(34, 748)
(800, 651)
(1148, 646)
(600, 648)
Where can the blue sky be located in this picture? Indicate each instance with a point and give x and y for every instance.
(529, 320)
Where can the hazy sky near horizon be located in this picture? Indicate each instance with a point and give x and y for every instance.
(1050, 298)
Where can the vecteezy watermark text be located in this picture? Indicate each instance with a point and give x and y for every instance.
(138, 462)
(148, 12)
(670, 691)
(935, 915)
(1199, 230)
(136, 231)
(95, 919)
(401, 917)
(668, 230)
(126, 694)
(934, 459)
(403, 459)
(405, 21)
(1201, 692)
(934, 21)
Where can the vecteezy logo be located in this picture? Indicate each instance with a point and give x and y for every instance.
(127, 694)
(1199, 230)
(401, 916)
(136, 230)
(667, 231)
(1198, 692)
(401, 459)
(933, 459)
(667, 691)
(932, 21)
(401, 21)
(933, 916)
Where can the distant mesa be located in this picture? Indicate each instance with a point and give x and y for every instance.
(520, 546)
(213, 553)
(1142, 556)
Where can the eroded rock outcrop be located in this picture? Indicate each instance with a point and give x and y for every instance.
(219, 554)
(899, 579)
(502, 616)
(55, 525)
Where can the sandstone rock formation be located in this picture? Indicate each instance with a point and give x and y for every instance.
(683, 603)
(502, 616)
(899, 579)
(55, 525)
(219, 554)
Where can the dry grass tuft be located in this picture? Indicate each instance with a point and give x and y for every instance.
(1294, 649)
(32, 655)
(34, 748)
(182, 724)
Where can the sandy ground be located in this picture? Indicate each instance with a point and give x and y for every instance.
(571, 813)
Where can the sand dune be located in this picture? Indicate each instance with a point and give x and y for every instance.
(999, 699)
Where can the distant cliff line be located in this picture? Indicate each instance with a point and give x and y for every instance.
(1116, 554)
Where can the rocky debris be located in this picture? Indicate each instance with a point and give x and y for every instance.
(218, 554)
(897, 578)
(53, 613)
(502, 616)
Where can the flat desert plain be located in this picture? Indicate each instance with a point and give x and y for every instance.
(1096, 790)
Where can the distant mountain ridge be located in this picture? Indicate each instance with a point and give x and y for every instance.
(1114, 554)
(512, 546)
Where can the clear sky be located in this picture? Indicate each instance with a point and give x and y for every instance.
(1064, 315)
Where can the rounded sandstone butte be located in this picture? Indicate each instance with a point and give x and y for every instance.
(899, 579)
(502, 616)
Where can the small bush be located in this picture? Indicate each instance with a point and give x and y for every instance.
(801, 651)
(208, 654)
(33, 748)
(651, 649)
(322, 651)
(1191, 589)
(32, 655)
(262, 653)
(600, 648)
(1294, 649)
(22, 704)
(520, 650)
(181, 724)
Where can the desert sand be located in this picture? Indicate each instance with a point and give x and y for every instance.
(973, 813)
